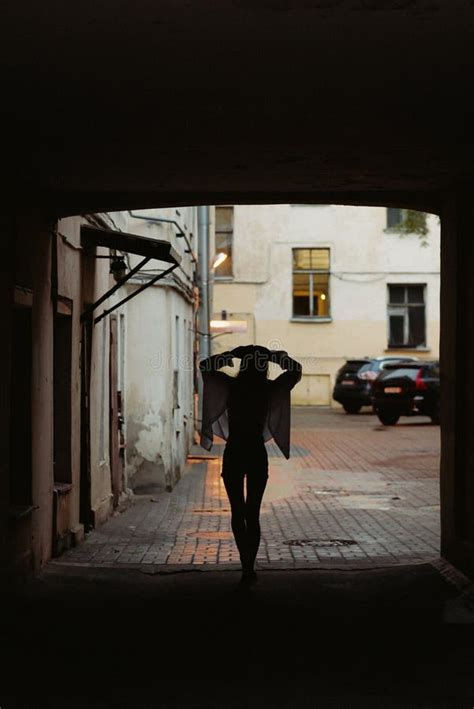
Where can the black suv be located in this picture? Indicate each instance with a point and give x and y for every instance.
(406, 389)
(354, 381)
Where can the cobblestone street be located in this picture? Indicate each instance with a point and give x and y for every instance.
(353, 494)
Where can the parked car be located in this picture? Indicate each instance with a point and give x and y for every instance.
(354, 380)
(407, 389)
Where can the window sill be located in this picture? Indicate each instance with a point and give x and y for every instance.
(62, 488)
(223, 279)
(311, 320)
(407, 349)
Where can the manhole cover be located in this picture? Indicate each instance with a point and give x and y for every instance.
(320, 542)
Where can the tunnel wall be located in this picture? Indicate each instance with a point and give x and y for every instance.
(457, 380)
(7, 257)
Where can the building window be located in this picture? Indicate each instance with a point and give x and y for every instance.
(310, 283)
(406, 316)
(394, 217)
(224, 239)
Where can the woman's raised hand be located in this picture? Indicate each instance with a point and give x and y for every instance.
(227, 358)
(278, 355)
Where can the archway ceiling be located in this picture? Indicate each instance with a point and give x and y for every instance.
(112, 103)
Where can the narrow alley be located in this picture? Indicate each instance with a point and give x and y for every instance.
(354, 494)
(129, 619)
(187, 186)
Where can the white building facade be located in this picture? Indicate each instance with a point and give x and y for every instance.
(156, 351)
(326, 283)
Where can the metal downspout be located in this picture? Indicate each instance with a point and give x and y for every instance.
(204, 295)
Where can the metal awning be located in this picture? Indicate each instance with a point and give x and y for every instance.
(131, 243)
(158, 249)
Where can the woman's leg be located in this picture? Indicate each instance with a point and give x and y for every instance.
(234, 485)
(256, 483)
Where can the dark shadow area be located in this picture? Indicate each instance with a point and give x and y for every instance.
(106, 638)
(415, 424)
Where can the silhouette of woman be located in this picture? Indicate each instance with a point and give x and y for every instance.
(246, 411)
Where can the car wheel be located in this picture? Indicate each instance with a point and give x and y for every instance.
(352, 408)
(388, 418)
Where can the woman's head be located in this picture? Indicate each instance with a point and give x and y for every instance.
(254, 364)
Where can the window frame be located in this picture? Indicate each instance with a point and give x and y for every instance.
(229, 230)
(406, 306)
(311, 272)
(392, 227)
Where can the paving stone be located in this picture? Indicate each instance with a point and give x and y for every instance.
(346, 480)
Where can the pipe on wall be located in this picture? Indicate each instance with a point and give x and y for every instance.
(204, 290)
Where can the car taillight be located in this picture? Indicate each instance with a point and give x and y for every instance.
(420, 384)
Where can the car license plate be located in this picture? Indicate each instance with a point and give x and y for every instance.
(393, 390)
(349, 383)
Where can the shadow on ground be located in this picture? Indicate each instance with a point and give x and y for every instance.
(111, 638)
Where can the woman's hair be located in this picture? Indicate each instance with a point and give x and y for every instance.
(254, 366)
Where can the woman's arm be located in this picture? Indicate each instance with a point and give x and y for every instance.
(293, 372)
(215, 362)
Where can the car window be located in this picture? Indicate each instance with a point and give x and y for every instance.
(410, 372)
(351, 367)
(387, 363)
(394, 360)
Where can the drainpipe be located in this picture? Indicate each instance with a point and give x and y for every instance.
(204, 294)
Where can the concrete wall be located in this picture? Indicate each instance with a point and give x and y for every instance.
(70, 286)
(159, 340)
(364, 259)
(457, 379)
(49, 265)
(101, 487)
(30, 520)
(7, 257)
(83, 279)
(41, 382)
(158, 434)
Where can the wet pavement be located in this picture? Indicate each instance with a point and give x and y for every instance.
(354, 494)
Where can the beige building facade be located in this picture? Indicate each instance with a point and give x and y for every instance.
(95, 407)
(326, 283)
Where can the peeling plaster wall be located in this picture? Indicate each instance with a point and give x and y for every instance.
(159, 341)
(364, 258)
(157, 435)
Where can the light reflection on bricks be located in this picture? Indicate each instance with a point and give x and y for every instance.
(377, 488)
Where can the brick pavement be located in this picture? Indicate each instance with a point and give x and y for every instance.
(353, 494)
